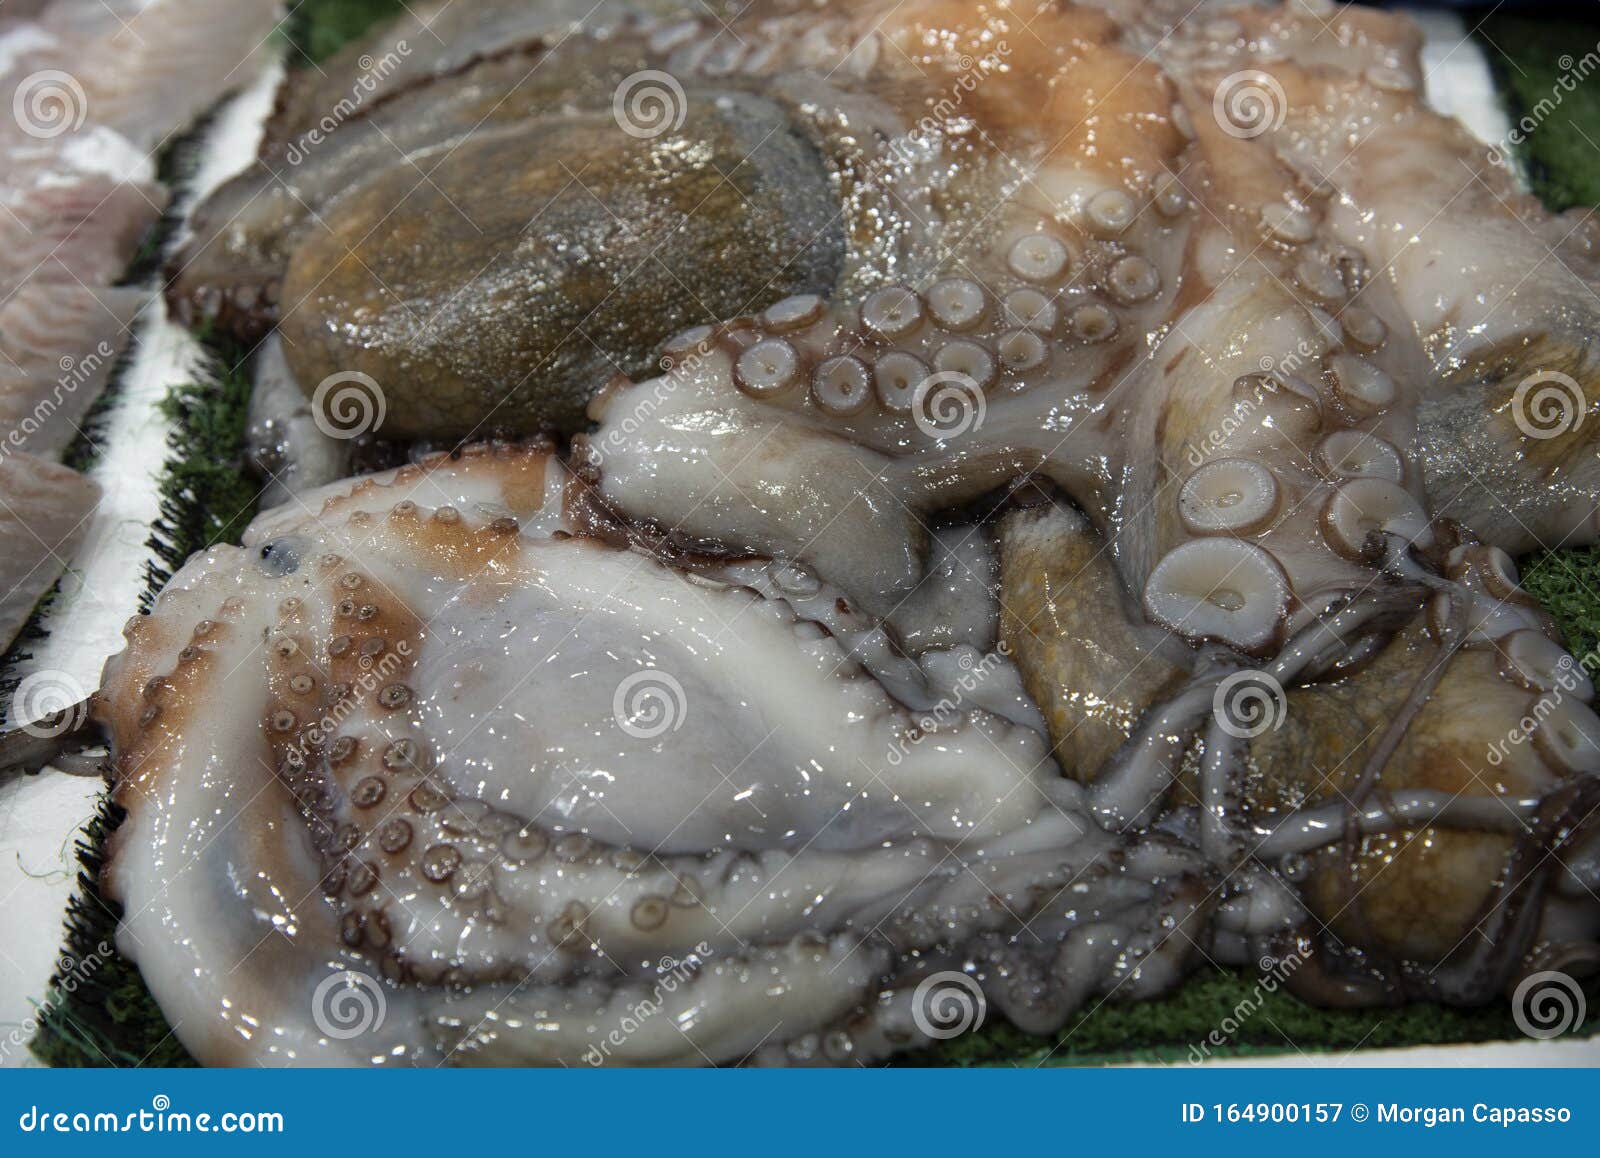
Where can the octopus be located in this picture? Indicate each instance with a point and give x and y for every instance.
(1088, 553)
(434, 628)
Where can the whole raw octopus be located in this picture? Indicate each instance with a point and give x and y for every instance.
(1080, 548)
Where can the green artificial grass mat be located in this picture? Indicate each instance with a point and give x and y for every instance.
(1549, 73)
(325, 26)
(98, 1010)
(110, 1018)
(84, 451)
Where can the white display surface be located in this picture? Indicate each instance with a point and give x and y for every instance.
(40, 817)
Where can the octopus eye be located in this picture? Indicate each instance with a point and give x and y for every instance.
(280, 557)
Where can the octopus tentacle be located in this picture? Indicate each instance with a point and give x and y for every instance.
(339, 658)
(1478, 969)
(1237, 355)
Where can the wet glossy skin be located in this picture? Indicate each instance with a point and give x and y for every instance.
(503, 772)
(494, 247)
(1260, 439)
(1267, 393)
(543, 255)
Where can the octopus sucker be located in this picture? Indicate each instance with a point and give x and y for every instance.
(376, 667)
(1072, 538)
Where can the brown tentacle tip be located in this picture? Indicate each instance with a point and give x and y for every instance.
(245, 309)
(1489, 959)
(1330, 976)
